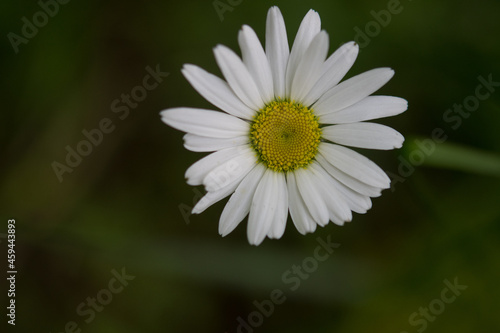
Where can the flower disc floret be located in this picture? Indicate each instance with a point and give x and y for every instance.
(285, 135)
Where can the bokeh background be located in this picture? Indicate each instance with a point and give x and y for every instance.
(124, 205)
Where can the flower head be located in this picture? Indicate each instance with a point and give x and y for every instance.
(279, 144)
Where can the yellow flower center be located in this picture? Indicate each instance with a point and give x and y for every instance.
(285, 135)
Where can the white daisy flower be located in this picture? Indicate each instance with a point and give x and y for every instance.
(279, 145)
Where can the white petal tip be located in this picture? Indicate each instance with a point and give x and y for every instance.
(219, 47)
(187, 66)
(253, 242)
(405, 103)
(389, 72)
(400, 142)
(352, 44)
(274, 12)
(256, 240)
(245, 28)
(188, 69)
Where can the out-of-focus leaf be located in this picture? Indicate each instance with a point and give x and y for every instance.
(457, 157)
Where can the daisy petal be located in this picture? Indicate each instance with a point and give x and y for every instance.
(256, 61)
(334, 69)
(338, 209)
(263, 208)
(371, 107)
(352, 90)
(213, 197)
(364, 135)
(230, 171)
(238, 77)
(238, 205)
(202, 122)
(347, 180)
(310, 67)
(357, 202)
(309, 28)
(277, 49)
(198, 143)
(309, 191)
(216, 91)
(199, 170)
(278, 228)
(225, 178)
(301, 218)
(355, 165)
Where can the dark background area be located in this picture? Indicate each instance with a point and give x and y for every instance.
(123, 207)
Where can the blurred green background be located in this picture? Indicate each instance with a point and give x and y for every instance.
(122, 206)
